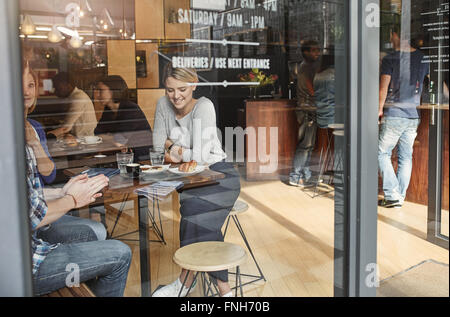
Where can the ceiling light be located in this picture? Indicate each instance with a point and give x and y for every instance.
(43, 28)
(54, 36)
(66, 31)
(28, 26)
(37, 36)
(75, 41)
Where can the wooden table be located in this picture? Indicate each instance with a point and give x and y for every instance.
(83, 154)
(125, 186)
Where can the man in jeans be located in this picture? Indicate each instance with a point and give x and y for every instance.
(67, 250)
(401, 84)
(306, 114)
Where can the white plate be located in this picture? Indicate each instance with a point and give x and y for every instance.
(100, 140)
(198, 169)
(150, 171)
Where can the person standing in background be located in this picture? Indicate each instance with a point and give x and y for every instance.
(80, 120)
(306, 114)
(402, 76)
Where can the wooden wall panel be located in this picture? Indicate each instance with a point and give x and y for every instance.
(152, 79)
(149, 19)
(122, 60)
(176, 31)
(147, 99)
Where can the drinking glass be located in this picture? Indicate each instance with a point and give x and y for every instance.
(157, 157)
(122, 160)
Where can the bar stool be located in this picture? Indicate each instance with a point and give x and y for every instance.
(239, 208)
(327, 159)
(210, 256)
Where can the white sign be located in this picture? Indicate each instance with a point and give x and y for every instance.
(73, 15)
(373, 15)
(218, 5)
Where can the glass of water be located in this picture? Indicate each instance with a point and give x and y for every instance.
(122, 160)
(157, 157)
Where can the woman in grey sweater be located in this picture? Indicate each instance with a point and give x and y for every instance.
(185, 128)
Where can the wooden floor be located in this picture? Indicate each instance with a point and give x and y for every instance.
(292, 237)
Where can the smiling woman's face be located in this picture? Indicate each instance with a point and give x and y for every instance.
(29, 90)
(179, 92)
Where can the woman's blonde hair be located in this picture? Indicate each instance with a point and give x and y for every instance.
(26, 68)
(187, 75)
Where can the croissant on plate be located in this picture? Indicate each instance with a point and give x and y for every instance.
(188, 167)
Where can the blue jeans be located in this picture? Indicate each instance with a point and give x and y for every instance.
(103, 264)
(57, 231)
(307, 140)
(400, 132)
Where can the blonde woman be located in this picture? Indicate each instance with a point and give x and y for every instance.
(34, 133)
(185, 127)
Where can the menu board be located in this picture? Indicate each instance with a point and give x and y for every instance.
(435, 25)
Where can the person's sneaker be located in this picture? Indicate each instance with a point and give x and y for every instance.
(173, 289)
(389, 203)
(301, 183)
(297, 183)
(229, 294)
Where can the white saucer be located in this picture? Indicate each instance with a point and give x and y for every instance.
(150, 171)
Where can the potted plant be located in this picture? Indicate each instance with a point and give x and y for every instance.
(257, 76)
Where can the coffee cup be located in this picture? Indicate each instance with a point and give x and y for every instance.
(91, 139)
(133, 169)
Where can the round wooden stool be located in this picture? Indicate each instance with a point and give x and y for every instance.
(239, 208)
(210, 256)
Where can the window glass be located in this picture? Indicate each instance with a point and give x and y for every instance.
(211, 120)
(413, 144)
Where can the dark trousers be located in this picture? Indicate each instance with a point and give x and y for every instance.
(205, 209)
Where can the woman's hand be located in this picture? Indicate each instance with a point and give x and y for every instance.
(30, 135)
(86, 190)
(73, 180)
(175, 155)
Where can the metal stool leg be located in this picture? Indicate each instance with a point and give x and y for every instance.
(184, 282)
(244, 237)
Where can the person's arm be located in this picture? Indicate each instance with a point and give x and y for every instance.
(75, 110)
(384, 87)
(45, 165)
(160, 137)
(53, 193)
(445, 87)
(204, 134)
(80, 191)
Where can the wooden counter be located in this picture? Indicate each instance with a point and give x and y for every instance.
(279, 113)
